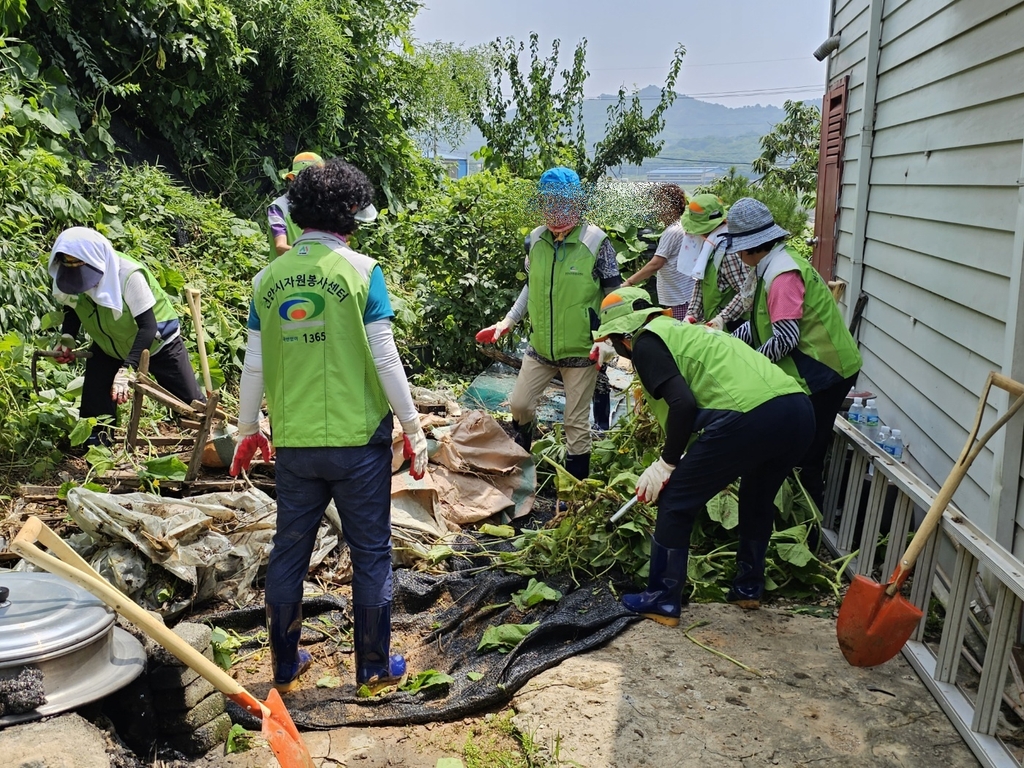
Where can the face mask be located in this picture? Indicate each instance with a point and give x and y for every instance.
(619, 342)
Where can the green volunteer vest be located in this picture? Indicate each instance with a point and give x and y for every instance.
(724, 374)
(823, 336)
(116, 337)
(563, 291)
(321, 382)
(715, 300)
(293, 234)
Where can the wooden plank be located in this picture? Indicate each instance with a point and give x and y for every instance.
(977, 207)
(967, 31)
(988, 250)
(931, 434)
(202, 434)
(990, 165)
(947, 660)
(997, 656)
(971, 330)
(975, 290)
(138, 399)
(992, 123)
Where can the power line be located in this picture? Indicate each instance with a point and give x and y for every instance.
(752, 92)
(693, 66)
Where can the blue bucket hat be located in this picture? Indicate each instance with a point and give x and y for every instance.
(560, 181)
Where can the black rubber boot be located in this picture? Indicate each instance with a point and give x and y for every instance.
(748, 586)
(372, 641)
(602, 411)
(524, 434)
(284, 624)
(663, 600)
(578, 465)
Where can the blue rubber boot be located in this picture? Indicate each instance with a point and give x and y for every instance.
(663, 600)
(284, 623)
(372, 640)
(748, 586)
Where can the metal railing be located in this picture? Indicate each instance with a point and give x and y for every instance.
(846, 527)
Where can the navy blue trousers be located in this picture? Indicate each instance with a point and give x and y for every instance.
(359, 481)
(760, 447)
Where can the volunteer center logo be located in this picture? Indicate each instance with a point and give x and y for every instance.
(301, 307)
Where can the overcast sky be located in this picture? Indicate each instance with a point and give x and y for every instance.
(737, 51)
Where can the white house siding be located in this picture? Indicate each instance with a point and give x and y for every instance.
(942, 212)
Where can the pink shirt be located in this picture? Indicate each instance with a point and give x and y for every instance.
(786, 297)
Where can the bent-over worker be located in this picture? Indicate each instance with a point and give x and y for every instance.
(124, 310)
(734, 414)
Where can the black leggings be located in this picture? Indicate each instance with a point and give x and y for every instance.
(170, 367)
(760, 447)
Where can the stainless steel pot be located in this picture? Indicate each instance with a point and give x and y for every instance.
(70, 636)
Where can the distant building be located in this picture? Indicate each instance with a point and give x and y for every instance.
(458, 167)
(687, 175)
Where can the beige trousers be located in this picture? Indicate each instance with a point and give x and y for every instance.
(579, 391)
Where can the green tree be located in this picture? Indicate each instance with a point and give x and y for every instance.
(540, 124)
(789, 153)
(450, 83)
(782, 202)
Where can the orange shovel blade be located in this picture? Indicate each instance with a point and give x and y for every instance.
(873, 626)
(278, 729)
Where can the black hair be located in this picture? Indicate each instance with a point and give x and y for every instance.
(766, 246)
(327, 197)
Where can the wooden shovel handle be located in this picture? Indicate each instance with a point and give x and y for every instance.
(956, 475)
(193, 298)
(65, 562)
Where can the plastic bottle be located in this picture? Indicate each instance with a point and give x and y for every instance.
(896, 439)
(855, 413)
(869, 419)
(881, 437)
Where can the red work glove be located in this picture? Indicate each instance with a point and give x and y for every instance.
(65, 349)
(601, 353)
(245, 449)
(414, 448)
(690, 319)
(492, 333)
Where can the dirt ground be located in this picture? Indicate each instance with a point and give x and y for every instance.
(653, 697)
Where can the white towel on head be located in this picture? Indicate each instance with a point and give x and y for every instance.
(92, 248)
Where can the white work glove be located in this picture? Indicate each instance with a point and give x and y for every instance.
(492, 333)
(121, 387)
(717, 323)
(65, 349)
(414, 448)
(654, 478)
(602, 352)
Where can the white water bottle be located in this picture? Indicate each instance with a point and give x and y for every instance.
(855, 413)
(869, 420)
(894, 445)
(881, 437)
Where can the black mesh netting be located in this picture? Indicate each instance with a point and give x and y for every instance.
(437, 623)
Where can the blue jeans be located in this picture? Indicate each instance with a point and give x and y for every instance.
(359, 481)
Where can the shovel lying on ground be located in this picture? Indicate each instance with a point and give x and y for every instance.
(37, 353)
(278, 728)
(875, 620)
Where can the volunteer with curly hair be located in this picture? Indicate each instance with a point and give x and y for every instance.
(321, 345)
(124, 310)
(675, 286)
(734, 414)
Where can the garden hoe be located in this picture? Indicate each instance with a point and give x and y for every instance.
(37, 353)
(278, 728)
(875, 620)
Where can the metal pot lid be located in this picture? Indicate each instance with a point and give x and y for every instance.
(45, 616)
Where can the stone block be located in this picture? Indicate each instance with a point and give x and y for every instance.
(163, 677)
(195, 718)
(204, 738)
(180, 699)
(196, 635)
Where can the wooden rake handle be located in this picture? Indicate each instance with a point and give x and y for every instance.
(192, 296)
(956, 474)
(67, 563)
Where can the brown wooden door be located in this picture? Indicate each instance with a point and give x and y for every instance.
(830, 172)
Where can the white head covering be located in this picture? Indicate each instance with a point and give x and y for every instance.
(93, 249)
